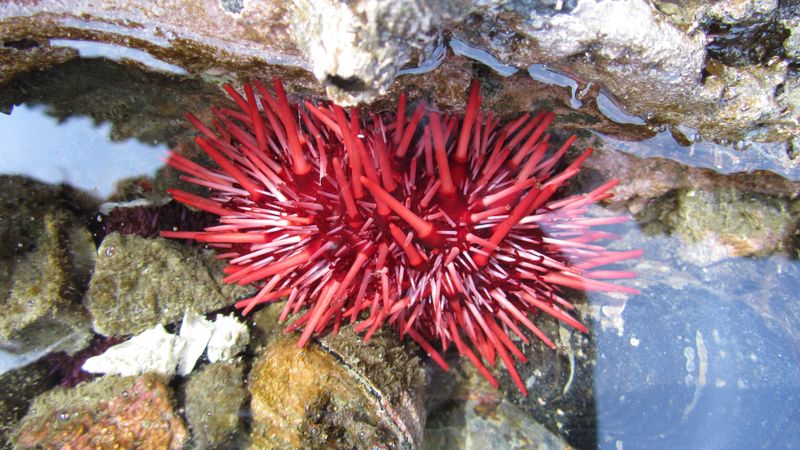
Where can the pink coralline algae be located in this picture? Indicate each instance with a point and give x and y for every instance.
(446, 228)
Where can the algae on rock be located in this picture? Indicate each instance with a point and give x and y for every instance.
(215, 397)
(336, 392)
(725, 222)
(140, 282)
(20, 386)
(45, 255)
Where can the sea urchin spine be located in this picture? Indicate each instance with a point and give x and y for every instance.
(444, 228)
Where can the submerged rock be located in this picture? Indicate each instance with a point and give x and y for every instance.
(20, 386)
(336, 392)
(714, 216)
(140, 282)
(45, 257)
(723, 222)
(215, 397)
(110, 412)
(477, 416)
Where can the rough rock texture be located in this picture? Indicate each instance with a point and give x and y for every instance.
(140, 282)
(715, 216)
(214, 400)
(475, 416)
(111, 412)
(336, 392)
(20, 386)
(654, 67)
(731, 222)
(358, 48)
(46, 256)
(723, 67)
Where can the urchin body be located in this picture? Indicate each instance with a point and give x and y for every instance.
(444, 227)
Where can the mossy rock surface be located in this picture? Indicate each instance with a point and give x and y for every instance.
(336, 392)
(215, 397)
(140, 282)
(46, 254)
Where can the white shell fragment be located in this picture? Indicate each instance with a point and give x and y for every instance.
(153, 350)
(156, 350)
(228, 339)
(196, 331)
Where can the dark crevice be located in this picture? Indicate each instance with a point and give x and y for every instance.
(349, 84)
(21, 44)
(744, 44)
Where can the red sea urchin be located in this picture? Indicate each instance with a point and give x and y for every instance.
(443, 228)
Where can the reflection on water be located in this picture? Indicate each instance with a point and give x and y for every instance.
(75, 152)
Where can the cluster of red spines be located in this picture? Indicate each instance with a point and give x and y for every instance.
(442, 227)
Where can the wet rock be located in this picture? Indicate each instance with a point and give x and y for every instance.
(336, 392)
(715, 216)
(478, 416)
(357, 49)
(560, 382)
(720, 223)
(643, 179)
(111, 412)
(24, 54)
(717, 67)
(215, 397)
(20, 386)
(139, 282)
(652, 67)
(46, 255)
(176, 35)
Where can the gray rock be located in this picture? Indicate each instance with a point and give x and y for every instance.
(215, 397)
(140, 282)
(46, 256)
(658, 62)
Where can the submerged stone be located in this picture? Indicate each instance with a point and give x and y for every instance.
(336, 392)
(215, 398)
(720, 223)
(110, 412)
(45, 256)
(140, 282)
(20, 386)
(477, 416)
